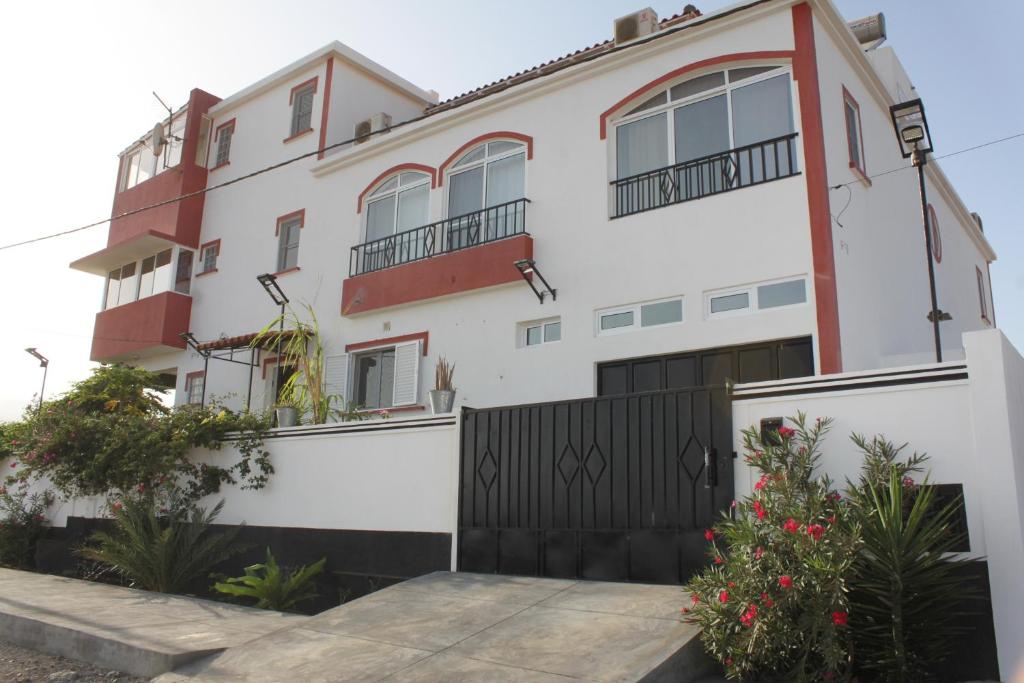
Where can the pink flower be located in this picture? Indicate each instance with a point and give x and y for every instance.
(748, 617)
(13, 465)
(719, 560)
(786, 581)
(839, 618)
(758, 553)
(39, 518)
(723, 597)
(141, 488)
(908, 482)
(732, 505)
(731, 584)
(759, 510)
(694, 598)
(791, 526)
(786, 432)
(709, 535)
(762, 482)
(815, 531)
(118, 505)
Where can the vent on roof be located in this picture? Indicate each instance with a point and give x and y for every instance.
(869, 31)
(635, 25)
(367, 127)
(977, 219)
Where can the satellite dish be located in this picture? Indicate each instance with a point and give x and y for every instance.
(157, 139)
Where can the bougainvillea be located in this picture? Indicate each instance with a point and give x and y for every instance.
(23, 521)
(773, 603)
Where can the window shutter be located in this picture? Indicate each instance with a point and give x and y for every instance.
(336, 378)
(407, 373)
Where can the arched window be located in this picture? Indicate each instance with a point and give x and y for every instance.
(400, 203)
(491, 174)
(708, 134)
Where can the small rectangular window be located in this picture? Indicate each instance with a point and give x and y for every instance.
(539, 332)
(553, 332)
(534, 335)
(649, 314)
(661, 313)
(613, 321)
(288, 244)
(375, 378)
(194, 385)
(781, 294)
(208, 257)
(223, 136)
(730, 302)
(854, 132)
(302, 109)
(183, 273)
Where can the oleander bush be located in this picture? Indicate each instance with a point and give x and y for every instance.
(22, 523)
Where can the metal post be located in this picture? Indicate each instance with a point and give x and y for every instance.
(46, 368)
(277, 367)
(206, 368)
(919, 159)
(252, 363)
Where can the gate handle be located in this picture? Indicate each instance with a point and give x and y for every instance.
(710, 467)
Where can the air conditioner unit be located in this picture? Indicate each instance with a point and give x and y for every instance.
(635, 25)
(365, 128)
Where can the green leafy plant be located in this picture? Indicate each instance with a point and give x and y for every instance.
(773, 604)
(112, 434)
(908, 598)
(22, 523)
(161, 550)
(271, 586)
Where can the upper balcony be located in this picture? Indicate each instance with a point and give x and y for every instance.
(141, 328)
(458, 254)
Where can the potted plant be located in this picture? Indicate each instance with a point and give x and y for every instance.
(287, 413)
(442, 397)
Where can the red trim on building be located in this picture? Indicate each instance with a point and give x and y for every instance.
(496, 135)
(201, 259)
(805, 72)
(230, 123)
(682, 71)
(293, 269)
(859, 170)
(429, 170)
(153, 322)
(301, 86)
(297, 135)
(325, 110)
(300, 214)
(482, 266)
(388, 341)
(191, 376)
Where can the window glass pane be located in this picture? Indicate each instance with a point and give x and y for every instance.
(661, 313)
(162, 273)
(611, 321)
(375, 379)
(502, 146)
(302, 113)
(412, 178)
(762, 111)
(466, 191)
(288, 257)
(475, 155)
(387, 378)
(209, 258)
(412, 207)
(146, 278)
(132, 172)
(113, 288)
(641, 146)
(697, 85)
(533, 335)
(177, 130)
(552, 332)
(224, 145)
(147, 163)
(701, 128)
(129, 284)
(385, 187)
(748, 72)
(380, 218)
(505, 181)
(656, 101)
(853, 134)
(781, 294)
(730, 302)
(183, 273)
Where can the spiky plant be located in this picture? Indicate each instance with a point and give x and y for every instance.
(444, 375)
(908, 598)
(271, 586)
(161, 553)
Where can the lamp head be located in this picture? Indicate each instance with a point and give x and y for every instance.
(269, 282)
(911, 127)
(43, 361)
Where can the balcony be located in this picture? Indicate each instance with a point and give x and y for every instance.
(733, 169)
(141, 328)
(455, 255)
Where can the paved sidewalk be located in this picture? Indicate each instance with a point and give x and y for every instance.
(474, 627)
(128, 630)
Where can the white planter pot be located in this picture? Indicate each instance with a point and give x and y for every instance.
(441, 401)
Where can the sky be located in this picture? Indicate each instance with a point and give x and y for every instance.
(79, 79)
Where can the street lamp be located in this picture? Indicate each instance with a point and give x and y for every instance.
(915, 142)
(44, 363)
(269, 282)
(528, 267)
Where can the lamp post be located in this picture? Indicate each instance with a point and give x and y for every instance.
(915, 142)
(44, 363)
(269, 282)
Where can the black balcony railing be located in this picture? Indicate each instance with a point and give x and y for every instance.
(452, 234)
(744, 166)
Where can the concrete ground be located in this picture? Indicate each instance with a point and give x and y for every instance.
(128, 630)
(474, 627)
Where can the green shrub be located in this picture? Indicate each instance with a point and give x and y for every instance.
(773, 603)
(22, 523)
(908, 599)
(163, 551)
(272, 587)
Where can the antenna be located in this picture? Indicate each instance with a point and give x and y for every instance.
(158, 140)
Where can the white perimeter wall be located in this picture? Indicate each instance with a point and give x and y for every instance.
(973, 431)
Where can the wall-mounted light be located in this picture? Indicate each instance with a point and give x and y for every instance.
(44, 363)
(269, 282)
(528, 267)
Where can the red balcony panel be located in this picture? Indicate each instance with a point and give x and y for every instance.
(481, 266)
(144, 327)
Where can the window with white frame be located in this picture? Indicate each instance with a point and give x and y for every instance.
(491, 176)
(289, 229)
(208, 256)
(854, 139)
(222, 138)
(140, 164)
(706, 116)
(302, 108)
(400, 203)
(636, 316)
(756, 297)
(539, 332)
(194, 385)
(138, 279)
(382, 377)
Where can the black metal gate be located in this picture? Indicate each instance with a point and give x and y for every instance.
(614, 488)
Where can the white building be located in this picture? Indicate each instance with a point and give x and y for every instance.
(732, 258)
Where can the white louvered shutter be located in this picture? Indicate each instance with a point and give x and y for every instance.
(407, 373)
(336, 378)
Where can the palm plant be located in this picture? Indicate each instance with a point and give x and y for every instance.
(161, 554)
(272, 587)
(908, 599)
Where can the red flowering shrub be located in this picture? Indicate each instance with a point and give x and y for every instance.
(773, 603)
